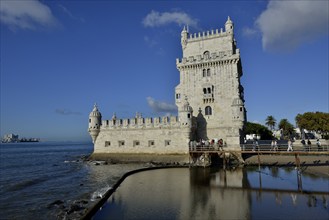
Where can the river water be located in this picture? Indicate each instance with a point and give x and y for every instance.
(52, 181)
(198, 193)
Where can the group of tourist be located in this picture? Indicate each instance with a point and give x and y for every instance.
(218, 144)
(215, 144)
(308, 147)
(274, 145)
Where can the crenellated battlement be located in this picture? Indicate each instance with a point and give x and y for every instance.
(215, 56)
(140, 123)
(207, 35)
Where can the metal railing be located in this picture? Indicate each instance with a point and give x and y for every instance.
(284, 147)
(262, 147)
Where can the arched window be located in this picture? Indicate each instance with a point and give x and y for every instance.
(209, 90)
(208, 110)
(204, 91)
(204, 71)
(206, 55)
(208, 72)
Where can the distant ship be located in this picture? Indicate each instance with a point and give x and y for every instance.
(29, 140)
(12, 138)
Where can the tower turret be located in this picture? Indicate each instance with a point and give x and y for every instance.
(185, 113)
(229, 26)
(184, 36)
(95, 120)
(238, 110)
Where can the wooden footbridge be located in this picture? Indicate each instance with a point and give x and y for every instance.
(203, 154)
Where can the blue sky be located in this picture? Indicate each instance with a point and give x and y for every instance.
(60, 57)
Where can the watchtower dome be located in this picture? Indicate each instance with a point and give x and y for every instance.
(95, 121)
(229, 26)
(185, 113)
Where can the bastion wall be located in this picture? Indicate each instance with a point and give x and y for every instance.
(143, 136)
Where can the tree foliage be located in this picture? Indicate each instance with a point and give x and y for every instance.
(314, 121)
(258, 129)
(270, 122)
(287, 128)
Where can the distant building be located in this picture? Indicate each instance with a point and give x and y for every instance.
(305, 134)
(10, 138)
(209, 98)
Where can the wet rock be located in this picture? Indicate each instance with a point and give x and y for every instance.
(55, 203)
(75, 208)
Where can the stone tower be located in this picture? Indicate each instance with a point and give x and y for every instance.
(210, 72)
(95, 121)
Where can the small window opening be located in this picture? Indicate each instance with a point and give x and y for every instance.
(136, 143)
(208, 110)
(167, 142)
(151, 143)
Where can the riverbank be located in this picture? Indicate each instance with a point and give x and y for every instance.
(316, 165)
(163, 159)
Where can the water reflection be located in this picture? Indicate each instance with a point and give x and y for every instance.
(199, 193)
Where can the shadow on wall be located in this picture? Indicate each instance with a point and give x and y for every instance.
(201, 131)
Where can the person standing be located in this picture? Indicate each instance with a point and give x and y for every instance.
(304, 144)
(289, 146)
(309, 144)
(276, 145)
(272, 145)
(255, 146)
(318, 143)
(220, 144)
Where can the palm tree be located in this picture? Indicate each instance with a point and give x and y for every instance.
(287, 128)
(270, 122)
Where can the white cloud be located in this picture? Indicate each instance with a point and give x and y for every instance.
(285, 25)
(158, 106)
(157, 19)
(26, 14)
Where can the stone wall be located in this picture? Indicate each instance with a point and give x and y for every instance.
(158, 140)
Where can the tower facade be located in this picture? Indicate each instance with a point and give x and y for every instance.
(210, 72)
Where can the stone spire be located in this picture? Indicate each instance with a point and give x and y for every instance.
(229, 26)
(184, 36)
